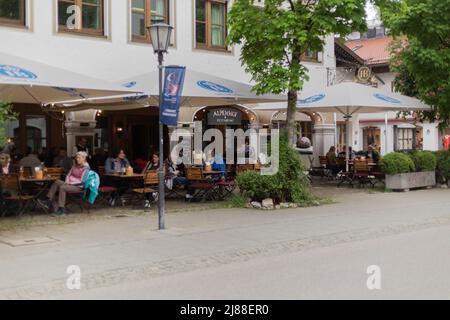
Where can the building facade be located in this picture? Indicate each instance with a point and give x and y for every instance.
(109, 41)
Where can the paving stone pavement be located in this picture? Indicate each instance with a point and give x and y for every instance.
(353, 219)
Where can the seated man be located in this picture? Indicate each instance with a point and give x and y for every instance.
(31, 160)
(63, 161)
(74, 182)
(373, 154)
(217, 164)
(175, 178)
(332, 160)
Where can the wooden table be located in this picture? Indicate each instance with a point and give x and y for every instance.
(46, 183)
(123, 182)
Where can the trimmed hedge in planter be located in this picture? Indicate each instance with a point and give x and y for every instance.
(409, 171)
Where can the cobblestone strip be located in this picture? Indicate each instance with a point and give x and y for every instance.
(166, 267)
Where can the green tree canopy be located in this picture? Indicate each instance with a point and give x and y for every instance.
(421, 51)
(275, 36)
(6, 114)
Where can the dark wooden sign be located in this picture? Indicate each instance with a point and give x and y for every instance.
(225, 116)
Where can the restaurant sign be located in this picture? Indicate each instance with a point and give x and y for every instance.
(224, 116)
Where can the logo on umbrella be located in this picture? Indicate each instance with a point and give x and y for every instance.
(211, 86)
(16, 72)
(384, 98)
(129, 84)
(311, 99)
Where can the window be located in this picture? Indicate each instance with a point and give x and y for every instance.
(405, 139)
(36, 128)
(145, 13)
(311, 55)
(12, 12)
(210, 24)
(89, 21)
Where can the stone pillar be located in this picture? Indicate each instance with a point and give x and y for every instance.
(323, 139)
(79, 123)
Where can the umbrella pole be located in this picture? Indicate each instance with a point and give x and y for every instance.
(347, 142)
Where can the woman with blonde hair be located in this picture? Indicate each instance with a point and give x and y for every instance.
(75, 180)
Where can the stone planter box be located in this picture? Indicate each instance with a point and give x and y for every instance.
(412, 180)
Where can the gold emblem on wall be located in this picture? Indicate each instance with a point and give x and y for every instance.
(364, 74)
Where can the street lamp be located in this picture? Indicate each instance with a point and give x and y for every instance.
(160, 35)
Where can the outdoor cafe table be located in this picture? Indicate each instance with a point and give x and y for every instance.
(41, 185)
(123, 182)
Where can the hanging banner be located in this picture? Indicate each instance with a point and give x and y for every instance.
(172, 91)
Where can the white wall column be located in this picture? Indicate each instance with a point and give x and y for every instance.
(323, 139)
(80, 123)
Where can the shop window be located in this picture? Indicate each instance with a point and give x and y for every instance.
(147, 12)
(405, 139)
(210, 24)
(89, 21)
(12, 12)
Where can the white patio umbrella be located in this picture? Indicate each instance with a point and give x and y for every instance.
(27, 81)
(349, 98)
(200, 89)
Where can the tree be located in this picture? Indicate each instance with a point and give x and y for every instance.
(421, 51)
(6, 114)
(275, 36)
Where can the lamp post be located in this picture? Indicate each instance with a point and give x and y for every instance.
(160, 35)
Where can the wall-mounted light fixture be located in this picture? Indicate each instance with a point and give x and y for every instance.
(119, 128)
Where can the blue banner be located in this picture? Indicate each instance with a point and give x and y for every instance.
(173, 89)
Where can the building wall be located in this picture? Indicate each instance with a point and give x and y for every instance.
(114, 57)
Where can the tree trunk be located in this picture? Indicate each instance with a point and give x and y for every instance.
(290, 117)
(292, 103)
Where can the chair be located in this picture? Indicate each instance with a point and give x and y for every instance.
(55, 172)
(106, 193)
(245, 167)
(12, 193)
(362, 172)
(203, 188)
(149, 186)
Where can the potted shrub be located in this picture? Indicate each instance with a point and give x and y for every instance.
(409, 171)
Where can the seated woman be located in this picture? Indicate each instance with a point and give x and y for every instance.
(6, 167)
(74, 182)
(118, 164)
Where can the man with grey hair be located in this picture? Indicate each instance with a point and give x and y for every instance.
(74, 182)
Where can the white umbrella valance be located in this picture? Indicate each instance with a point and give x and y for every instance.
(200, 89)
(27, 81)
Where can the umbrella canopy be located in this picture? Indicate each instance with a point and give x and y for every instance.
(27, 81)
(349, 98)
(200, 89)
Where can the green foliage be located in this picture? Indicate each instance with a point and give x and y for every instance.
(289, 184)
(275, 36)
(422, 62)
(396, 163)
(236, 201)
(6, 114)
(443, 165)
(423, 160)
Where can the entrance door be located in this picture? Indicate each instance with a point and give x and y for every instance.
(140, 137)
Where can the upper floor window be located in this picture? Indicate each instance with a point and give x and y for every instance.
(12, 12)
(87, 19)
(210, 24)
(311, 55)
(147, 12)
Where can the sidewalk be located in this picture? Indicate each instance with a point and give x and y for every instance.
(112, 251)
